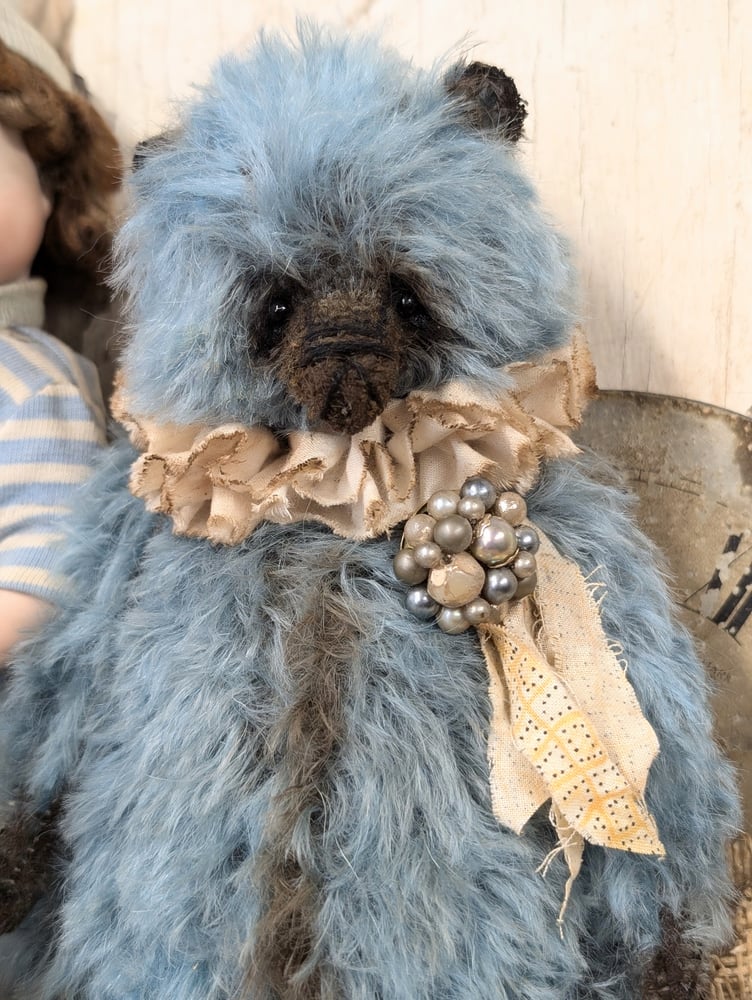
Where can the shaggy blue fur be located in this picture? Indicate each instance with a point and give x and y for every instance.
(151, 702)
(324, 164)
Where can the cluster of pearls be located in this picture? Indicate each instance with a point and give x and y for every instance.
(466, 554)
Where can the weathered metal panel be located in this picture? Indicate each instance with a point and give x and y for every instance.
(691, 468)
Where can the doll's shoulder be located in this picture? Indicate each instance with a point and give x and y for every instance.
(52, 425)
(39, 370)
(108, 527)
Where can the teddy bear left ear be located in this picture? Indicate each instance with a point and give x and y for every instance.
(489, 99)
(152, 145)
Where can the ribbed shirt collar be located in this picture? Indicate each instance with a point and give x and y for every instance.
(22, 303)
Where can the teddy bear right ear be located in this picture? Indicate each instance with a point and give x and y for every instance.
(489, 99)
(154, 144)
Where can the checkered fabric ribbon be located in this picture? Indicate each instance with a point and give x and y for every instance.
(566, 724)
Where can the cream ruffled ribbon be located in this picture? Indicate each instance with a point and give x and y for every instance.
(566, 725)
(221, 483)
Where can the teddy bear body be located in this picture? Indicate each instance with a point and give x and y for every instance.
(227, 661)
(274, 779)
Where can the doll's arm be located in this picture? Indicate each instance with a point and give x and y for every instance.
(51, 428)
(19, 614)
(52, 675)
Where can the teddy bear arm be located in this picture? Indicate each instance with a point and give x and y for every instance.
(691, 790)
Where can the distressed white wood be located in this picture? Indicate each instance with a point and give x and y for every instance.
(639, 137)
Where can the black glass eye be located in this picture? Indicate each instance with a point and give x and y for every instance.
(279, 311)
(407, 305)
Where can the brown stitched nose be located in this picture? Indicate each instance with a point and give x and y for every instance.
(341, 360)
(345, 378)
(323, 341)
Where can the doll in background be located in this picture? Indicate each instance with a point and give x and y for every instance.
(59, 165)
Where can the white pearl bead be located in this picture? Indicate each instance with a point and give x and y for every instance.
(512, 507)
(524, 565)
(477, 611)
(472, 508)
(428, 554)
(443, 503)
(452, 621)
(495, 542)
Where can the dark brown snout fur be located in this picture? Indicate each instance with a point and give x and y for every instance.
(342, 359)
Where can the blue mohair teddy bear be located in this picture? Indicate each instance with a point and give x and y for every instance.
(268, 776)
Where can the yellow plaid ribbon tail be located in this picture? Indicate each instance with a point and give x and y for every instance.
(566, 724)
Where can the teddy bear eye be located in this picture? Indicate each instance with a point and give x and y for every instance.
(406, 303)
(279, 311)
(276, 315)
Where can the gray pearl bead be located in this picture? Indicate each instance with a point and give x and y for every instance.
(524, 565)
(477, 611)
(481, 488)
(526, 587)
(527, 539)
(428, 555)
(452, 620)
(501, 585)
(495, 542)
(406, 569)
(453, 533)
(472, 508)
(443, 503)
(420, 603)
(512, 507)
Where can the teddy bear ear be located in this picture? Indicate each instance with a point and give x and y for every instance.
(152, 145)
(488, 98)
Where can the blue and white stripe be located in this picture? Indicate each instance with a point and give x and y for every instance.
(52, 421)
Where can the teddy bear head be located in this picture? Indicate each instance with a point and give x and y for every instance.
(329, 227)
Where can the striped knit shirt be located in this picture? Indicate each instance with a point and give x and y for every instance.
(52, 423)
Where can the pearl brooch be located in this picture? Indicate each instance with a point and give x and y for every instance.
(466, 554)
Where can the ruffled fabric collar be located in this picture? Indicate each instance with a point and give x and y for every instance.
(221, 482)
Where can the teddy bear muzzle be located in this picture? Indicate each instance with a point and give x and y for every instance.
(343, 368)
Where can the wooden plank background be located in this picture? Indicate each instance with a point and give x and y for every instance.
(639, 137)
